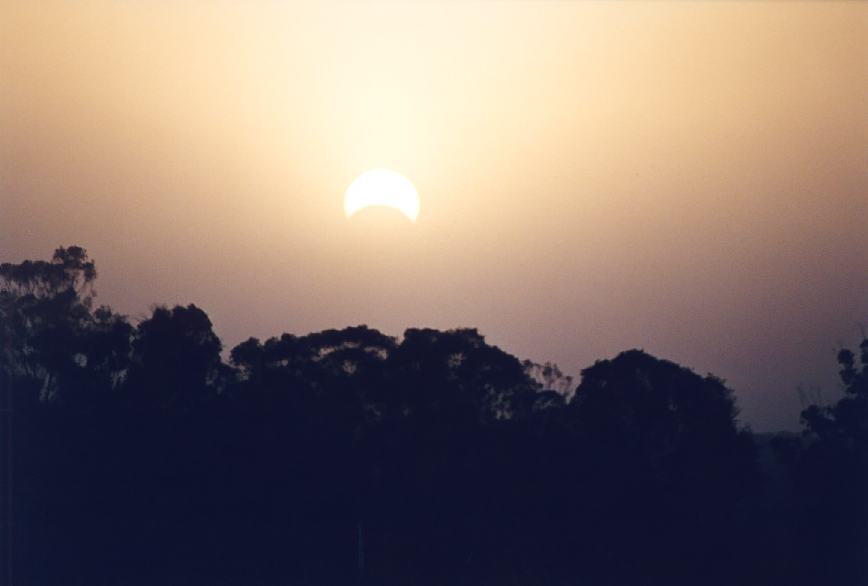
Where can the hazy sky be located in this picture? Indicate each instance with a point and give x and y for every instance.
(688, 178)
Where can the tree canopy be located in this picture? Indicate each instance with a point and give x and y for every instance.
(144, 453)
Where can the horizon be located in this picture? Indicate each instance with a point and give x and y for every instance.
(805, 396)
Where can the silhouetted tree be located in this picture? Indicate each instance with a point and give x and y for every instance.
(833, 480)
(53, 346)
(62, 365)
(176, 358)
(456, 374)
(666, 470)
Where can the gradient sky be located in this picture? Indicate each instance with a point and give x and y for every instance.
(688, 178)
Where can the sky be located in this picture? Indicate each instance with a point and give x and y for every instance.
(687, 178)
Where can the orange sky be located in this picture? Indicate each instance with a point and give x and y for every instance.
(690, 178)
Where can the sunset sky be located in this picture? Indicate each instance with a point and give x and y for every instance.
(687, 178)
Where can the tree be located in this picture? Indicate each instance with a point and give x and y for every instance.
(176, 359)
(54, 347)
(666, 470)
(69, 269)
(63, 365)
(457, 372)
(845, 424)
(832, 479)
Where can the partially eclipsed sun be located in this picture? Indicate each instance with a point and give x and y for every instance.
(382, 187)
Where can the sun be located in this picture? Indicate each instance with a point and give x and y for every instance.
(382, 187)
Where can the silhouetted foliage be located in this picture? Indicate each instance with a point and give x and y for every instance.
(668, 475)
(175, 360)
(833, 480)
(142, 457)
(54, 346)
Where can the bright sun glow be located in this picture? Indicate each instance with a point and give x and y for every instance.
(382, 187)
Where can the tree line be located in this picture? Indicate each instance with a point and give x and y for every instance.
(137, 455)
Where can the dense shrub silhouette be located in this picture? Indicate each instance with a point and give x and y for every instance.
(141, 456)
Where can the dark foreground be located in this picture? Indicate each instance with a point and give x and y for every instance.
(134, 455)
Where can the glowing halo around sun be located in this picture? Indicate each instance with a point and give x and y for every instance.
(382, 187)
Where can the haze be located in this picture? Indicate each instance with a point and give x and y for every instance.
(687, 178)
